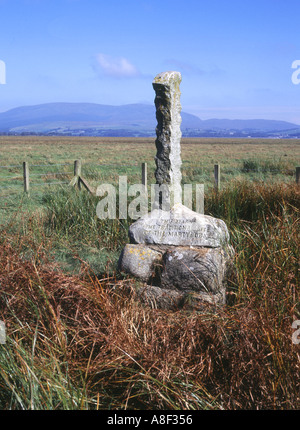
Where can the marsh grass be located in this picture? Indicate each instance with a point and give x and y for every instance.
(242, 200)
(84, 341)
(275, 167)
(78, 337)
(51, 161)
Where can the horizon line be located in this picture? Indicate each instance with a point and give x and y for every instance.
(149, 104)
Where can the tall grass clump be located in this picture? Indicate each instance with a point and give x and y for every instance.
(72, 213)
(242, 201)
(266, 166)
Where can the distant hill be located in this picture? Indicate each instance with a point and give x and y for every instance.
(131, 119)
(249, 124)
(85, 114)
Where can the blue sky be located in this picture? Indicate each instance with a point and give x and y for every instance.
(235, 56)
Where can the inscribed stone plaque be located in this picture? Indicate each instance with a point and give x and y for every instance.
(180, 226)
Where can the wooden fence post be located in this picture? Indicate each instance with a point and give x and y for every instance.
(297, 175)
(217, 176)
(77, 172)
(144, 174)
(26, 176)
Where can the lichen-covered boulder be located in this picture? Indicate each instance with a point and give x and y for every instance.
(140, 261)
(200, 270)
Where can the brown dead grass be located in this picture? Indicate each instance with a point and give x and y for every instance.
(136, 357)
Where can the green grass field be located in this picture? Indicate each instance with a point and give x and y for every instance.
(78, 337)
(51, 161)
(260, 156)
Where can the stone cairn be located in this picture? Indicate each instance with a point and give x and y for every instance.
(183, 258)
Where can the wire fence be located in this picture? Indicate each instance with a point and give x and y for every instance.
(19, 181)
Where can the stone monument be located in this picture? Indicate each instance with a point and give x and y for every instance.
(184, 258)
(168, 160)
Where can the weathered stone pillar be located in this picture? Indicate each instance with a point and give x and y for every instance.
(184, 257)
(168, 159)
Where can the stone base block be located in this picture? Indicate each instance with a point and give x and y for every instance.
(179, 276)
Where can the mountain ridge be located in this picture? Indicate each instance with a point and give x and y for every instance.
(64, 117)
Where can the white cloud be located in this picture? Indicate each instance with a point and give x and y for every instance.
(117, 67)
